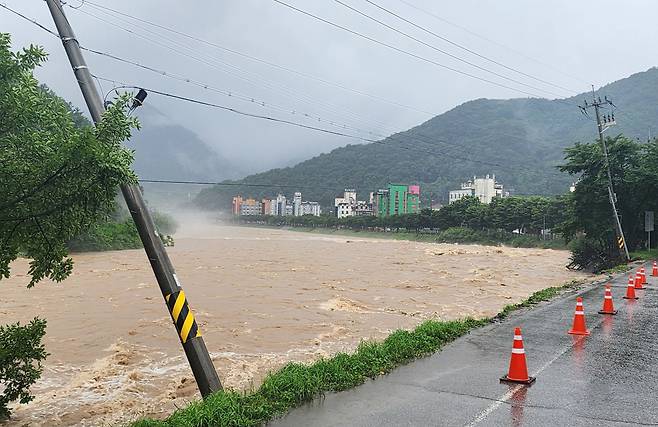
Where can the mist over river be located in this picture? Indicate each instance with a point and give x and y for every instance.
(262, 297)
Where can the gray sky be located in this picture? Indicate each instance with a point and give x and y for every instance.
(595, 41)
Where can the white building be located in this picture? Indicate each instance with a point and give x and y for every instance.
(485, 189)
(310, 208)
(279, 205)
(346, 205)
(297, 204)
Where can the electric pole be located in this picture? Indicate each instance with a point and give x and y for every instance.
(603, 124)
(188, 332)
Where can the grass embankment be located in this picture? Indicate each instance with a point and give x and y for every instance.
(297, 383)
(451, 235)
(646, 254)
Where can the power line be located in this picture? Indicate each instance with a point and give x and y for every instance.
(247, 98)
(447, 40)
(260, 60)
(206, 86)
(439, 18)
(431, 46)
(236, 111)
(288, 122)
(391, 137)
(405, 52)
(34, 21)
(433, 141)
(235, 184)
(212, 63)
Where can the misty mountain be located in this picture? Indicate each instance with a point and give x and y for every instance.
(519, 140)
(167, 150)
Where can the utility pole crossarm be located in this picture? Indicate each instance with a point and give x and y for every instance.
(188, 332)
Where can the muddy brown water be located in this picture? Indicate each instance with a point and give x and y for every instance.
(262, 297)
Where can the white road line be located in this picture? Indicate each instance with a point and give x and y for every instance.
(507, 396)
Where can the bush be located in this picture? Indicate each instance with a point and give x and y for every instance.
(591, 254)
(21, 353)
(121, 233)
(107, 236)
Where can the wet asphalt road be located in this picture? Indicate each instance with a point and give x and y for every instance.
(607, 378)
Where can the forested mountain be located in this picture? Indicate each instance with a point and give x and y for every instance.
(519, 140)
(166, 150)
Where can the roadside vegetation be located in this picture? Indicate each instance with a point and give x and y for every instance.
(298, 383)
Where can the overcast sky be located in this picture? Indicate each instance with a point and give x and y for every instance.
(567, 43)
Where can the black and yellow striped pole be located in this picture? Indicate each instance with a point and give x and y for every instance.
(183, 316)
(186, 327)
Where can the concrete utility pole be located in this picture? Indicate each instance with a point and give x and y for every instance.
(186, 326)
(603, 125)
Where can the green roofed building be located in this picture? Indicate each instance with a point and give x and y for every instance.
(397, 199)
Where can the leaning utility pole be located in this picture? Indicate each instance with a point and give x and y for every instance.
(603, 125)
(188, 331)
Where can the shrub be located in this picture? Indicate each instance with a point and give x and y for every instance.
(21, 353)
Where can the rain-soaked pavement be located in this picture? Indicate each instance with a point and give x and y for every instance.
(607, 378)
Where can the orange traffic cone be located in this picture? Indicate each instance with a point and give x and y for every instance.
(630, 290)
(518, 370)
(638, 281)
(608, 307)
(579, 327)
(644, 276)
(654, 273)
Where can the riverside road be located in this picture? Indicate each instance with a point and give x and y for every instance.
(607, 378)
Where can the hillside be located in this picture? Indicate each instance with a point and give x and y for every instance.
(518, 140)
(166, 150)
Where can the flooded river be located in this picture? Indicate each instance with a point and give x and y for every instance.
(262, 297)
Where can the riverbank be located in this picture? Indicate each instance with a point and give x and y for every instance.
(296, 383)
(459, 235)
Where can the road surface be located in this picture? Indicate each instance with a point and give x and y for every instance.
(607, 378)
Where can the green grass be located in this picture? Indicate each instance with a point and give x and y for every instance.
(298, 383)
(645, 254)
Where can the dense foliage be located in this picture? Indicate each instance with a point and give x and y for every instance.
(634, 170)
(56, 178)
(519, 140)
(523, 215)
(118, 232)
(21, 353)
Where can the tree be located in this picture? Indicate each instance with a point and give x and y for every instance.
(21, 353)
(56, 178)
(633, 170)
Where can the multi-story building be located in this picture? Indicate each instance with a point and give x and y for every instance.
(310, 208)
(236, 204)
(397, 199)
(297, 204)
(485, 189)
(346, 205)
(363, 208)
(279, 205)
(250, 207)
(266, 207)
